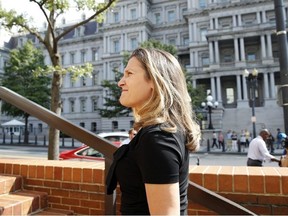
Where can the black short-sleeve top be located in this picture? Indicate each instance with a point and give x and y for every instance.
(153, 156)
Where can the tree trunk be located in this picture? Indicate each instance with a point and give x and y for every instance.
(26, 133)
(53, 146)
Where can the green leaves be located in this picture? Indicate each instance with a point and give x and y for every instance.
(20, 75)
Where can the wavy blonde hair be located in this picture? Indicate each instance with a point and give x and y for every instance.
(170, 103)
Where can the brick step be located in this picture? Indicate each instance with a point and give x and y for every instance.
(10, 183)
(22, 202)
(51, 211)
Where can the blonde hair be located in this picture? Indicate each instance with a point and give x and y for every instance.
(170, 103)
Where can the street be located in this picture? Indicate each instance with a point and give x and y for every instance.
(222, 159)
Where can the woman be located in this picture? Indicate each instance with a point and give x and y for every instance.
(152, 170)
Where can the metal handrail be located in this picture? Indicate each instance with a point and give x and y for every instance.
(196, 193)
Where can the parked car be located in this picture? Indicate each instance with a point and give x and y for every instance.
(85, 152)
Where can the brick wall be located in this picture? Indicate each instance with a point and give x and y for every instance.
(79, 186)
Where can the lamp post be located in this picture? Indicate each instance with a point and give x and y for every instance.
(251, 79)
(209, 105)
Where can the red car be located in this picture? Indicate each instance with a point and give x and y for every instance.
(85, 152)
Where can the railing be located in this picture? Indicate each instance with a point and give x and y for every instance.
(196, 193)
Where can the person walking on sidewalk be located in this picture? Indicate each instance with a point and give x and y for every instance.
(234, 141)
(242, 141)
(221, 141)
(258, 152)
(214, 138)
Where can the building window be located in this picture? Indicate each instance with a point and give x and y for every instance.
(83, 105)
(31, 128)
(172, 41)
(95, 55)
(93, 126)
(40, 128)
(72, 58)
(230, 96)
(72, 106)
(133, 14)
(62, 59)
(114, 125)
(83, 56)
(186, 41)
(205, 61)
(171, 16)
(157, 18)
(94, 79)
(116, 44)
(203, 33)
(202, 4)
(82, 124)
(134, 43)
(116, 17)
(251, 57)
(228, 58)
(83, 81)
(94, 104)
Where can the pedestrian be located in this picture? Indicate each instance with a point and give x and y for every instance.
(280, 138)
(248, 138)
(152, 171)
(229, 140)
(284, 158)
(221, 141)
(258, 152)
(132, 132)
(234, 141)
(214, 139)
(242, 141)
(270, 143)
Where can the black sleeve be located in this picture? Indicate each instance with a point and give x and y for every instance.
(158, 158)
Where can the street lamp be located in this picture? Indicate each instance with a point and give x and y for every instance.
(251, 79)
(209, 104)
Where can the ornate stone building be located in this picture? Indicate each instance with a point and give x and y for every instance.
(216, 41)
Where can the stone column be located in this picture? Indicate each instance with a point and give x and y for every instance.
(263, 46)
(236, 48)
(216, 49)
(211, 52)
(239, 96)
(242, 49)
(245, 97)
(218, 84)
(272, 83)
(213, 89)
(266, 86)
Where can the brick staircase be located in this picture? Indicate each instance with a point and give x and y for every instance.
(14, 200)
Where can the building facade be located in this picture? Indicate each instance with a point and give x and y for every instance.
(216, 41)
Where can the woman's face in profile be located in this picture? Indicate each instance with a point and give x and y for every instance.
(136, 88)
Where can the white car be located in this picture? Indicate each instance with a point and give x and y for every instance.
(85, 152)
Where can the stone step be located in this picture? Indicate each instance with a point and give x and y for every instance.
(51, 211)
(14, 200)
(10, 183)
(22, 202)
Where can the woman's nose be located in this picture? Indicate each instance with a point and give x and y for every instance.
(121, 82)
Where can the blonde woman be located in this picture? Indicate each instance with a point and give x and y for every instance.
(152, 170)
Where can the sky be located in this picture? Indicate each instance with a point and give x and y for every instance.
(32, 10)
(23, 6)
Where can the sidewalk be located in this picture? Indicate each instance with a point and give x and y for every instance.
(203, 149)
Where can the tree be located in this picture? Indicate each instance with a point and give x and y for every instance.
(51, 10)
(20, 76)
